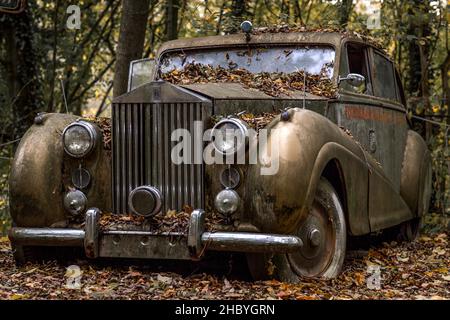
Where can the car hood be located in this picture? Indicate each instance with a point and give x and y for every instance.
(230, 98)
(226, 98)
(237, 91)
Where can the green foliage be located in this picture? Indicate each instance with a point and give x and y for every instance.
(82, 58)
(441, 163)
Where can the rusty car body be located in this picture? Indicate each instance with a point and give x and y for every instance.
(349, 165)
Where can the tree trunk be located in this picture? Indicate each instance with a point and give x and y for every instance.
(445, 67)
(345, 8)
(285, 11)
(50, 107)
(237, 14)
(413, 33)
(172, 7)
(418, 32)
(445, 70)
(24, 98)
(297, 12)
(131, 41)
(425, 88)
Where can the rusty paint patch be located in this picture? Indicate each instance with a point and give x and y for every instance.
(374, 113)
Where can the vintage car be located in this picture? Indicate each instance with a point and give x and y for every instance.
(331, 108)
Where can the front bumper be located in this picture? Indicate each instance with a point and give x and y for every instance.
(148, 245)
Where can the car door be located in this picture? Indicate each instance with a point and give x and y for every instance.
(375, 117)
(390, 122)
(347, 112)
(390, 129)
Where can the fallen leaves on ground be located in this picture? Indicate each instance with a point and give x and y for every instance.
(425, 275)
(273, 84)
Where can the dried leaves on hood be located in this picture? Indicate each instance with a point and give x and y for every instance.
(273, 84)
(105, 127)
(258, 121)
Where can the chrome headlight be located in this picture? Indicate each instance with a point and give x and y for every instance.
(229, 136)
(79, 138)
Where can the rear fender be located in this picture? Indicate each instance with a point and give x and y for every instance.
(415, 186)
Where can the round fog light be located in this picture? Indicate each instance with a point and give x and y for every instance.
(227, 201)
(75, 202)
(145, 201)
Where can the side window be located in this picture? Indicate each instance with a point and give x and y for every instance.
(384, 81)
(358, 63)
(141, 72)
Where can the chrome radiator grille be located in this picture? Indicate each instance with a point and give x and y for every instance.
(142, 153)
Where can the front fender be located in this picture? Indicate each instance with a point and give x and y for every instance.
(35, 180)
(307, 142)
(40, 175)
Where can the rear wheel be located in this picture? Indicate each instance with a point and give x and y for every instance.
(324, 238)
(406, 231)
(409, 230)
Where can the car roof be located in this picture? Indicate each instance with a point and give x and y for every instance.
(332, 38)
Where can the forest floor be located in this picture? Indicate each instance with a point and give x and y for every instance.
(417, 270)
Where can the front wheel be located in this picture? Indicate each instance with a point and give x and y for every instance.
(324, 239)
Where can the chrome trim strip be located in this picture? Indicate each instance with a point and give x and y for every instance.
(141, 244)
(196, 227)
(91, 232)
(250, 242)
(47, 237)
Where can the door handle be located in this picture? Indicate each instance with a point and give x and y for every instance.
(372, 141)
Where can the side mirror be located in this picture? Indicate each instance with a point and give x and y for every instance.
(141, 72)
(354, 79)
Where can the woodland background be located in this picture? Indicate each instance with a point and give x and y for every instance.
(39, 56)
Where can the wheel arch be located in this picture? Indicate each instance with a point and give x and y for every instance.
(348, 174)
(334, 174)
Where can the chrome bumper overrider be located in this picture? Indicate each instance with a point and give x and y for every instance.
(142, 244)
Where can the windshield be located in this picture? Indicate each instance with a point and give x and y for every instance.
(314, 60)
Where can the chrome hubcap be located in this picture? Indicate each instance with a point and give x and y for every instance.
(318, 235)
(314, 237)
